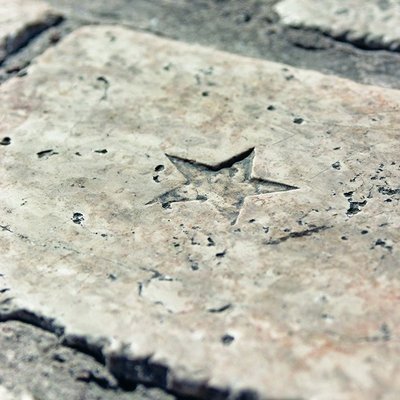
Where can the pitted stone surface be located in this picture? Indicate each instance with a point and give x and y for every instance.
(295, 300)
(370, 23)
(21, 19)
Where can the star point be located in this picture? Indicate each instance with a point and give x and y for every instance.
(225, 185)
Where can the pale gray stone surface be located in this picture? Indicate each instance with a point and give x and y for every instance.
(369, 23)
(6, 395)
(21, 19)
(295, 300)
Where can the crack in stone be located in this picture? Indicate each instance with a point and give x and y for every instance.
(291, 235)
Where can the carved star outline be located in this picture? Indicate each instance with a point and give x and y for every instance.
(225, 185)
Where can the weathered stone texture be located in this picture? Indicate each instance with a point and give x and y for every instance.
(297, 299)
(369, 23)
(20, 20)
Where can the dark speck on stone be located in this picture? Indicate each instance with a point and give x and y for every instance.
(298, 120)
(271, 108)
(336, 165)
(59, 357)
(246, 17)
(102, 151)
(45, 153)
(205, 94)
(5, 141)
(102, 79)
(227, 339)
(77, 218)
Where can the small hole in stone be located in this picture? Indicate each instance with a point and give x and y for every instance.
(271, 108)
(298, 120)
(77, 218)
(246, 17)
(5, 141)
(205, 94)
(227, 339)
(194, 266)
(221, 254)
(45, 153)
(102, 151)
(159, 168)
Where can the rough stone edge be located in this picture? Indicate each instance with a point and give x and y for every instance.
(14, 42)
(126, 369)
(367, 42)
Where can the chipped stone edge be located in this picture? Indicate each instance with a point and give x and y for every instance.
(353, 37)
(121, 363)
(12, 43)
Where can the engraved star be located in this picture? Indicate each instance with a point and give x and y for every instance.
(224, 185)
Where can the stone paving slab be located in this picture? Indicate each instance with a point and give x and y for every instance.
(216, 225)
(20, 20)
(372, 24)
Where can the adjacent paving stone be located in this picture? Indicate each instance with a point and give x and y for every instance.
(250, 28)
(124, 158)
(368, 23)
(20, 20)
